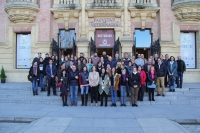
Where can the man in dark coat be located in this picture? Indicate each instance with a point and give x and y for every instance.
(181, 68)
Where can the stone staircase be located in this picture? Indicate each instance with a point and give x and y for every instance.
(23, 95)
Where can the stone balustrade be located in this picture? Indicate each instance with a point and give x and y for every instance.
(177, 3)
(26, 1)
(66, 4)
(145, 3)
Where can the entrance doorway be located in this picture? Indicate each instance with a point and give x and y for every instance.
(109, 51)
(67, 52)
(145, 51)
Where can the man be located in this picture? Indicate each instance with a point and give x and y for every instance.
(37, 59)
(95, 59)
(181, 68)
(161, 70)
(166, 61)
(116, 59)
(139, 61)
(105, 57)
(81, 56)
(142, 57)
(46, 62)
(126, 59)
(51, 73)
(110, 62)
(66, 62)
(73, 77)
(156, 58)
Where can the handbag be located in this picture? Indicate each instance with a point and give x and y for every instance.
(29, 79)
(151, 86)
(59, 84)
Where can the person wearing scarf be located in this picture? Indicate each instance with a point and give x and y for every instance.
(151, 84)
(34, 73)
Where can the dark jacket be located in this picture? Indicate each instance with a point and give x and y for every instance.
(42, 68)
(45, 62)
(65, 82)
(36, 59)
(134, 79)
(83, 76)
(150, 79)
(31, 72)
(126, 61)
(73, 80)
(48, 71)
(181, 66)
(162, 71)
(111, 63)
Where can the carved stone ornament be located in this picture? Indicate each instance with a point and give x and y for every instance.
(187, 13)
(22, 15)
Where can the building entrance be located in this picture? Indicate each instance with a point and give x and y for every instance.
(145, 51)
(67, 52)
(109, 51)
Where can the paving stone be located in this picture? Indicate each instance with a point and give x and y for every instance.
(123, 130)
(81, 122)
(98, 122)
(59, 122)
(149, 123)
(84, 130)
(45, 129)
(127, 123)
(43, 121)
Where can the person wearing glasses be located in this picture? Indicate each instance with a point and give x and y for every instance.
(139, 61)
(161, 71)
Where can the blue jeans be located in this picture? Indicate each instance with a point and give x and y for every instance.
(123, 94)
(41, 80)
(179, 79)
(173, 87)
(73, 94)
(84, 89)
(34, 84)
(113, 94)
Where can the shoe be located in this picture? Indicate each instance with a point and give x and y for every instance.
(82, 104)
(63, 104)
(55, 94)
(60, 94)
(177, 87)
(75, 104)
(122, 104)
(158, 95)
(149, 99)
(33, 93)
(48, 94)
(153, 100)
(136, 105)
(91, 104)
(163, 95)
(133, 105)
(115, 105)
(173, 90)
(36, 92)
(141, 100)
(181, 87)
(106, 105)
(125, 105)
(101, 105)
(66, 104)
(41, 90)
(96, 104)
(71, 104)
(170, 90)
(112, 104)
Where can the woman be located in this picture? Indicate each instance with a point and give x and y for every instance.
(72, 57)
(53, 59)
(75, 60)
(79, 66)
(99, 67)
(84, 85)
(59, 71)
(151, 84)
(104, 86)
(71, 64)
(148, 65)
(42, 72)
(93, 82)
(34, 73)
(129, 67)
(114, 80)
(172, 70)
(102, 61)
(64, 89)
(56, 61)
(123, 87)
(84, 61)
(143, 83)
(89, 65)
(118, 68)
(62, 59)
(108, 69)
(134, 83)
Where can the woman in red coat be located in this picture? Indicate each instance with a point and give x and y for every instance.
(143, 83)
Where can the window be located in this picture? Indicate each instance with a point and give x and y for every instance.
(143, 38)
(66, 38)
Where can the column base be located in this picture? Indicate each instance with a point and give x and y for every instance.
(127, 45)
(83, 46)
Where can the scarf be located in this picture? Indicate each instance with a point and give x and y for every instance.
(34, 70)
(152, 74)
(171, 63)
(124, 77)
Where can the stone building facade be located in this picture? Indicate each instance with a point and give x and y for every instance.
(44, 20)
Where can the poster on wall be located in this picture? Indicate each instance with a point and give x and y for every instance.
(188, 49)
(23, 59)
(105, 38)
(66, 38)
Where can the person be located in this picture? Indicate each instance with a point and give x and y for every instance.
(118, 68)
(172, 70)
(166, 61)
(99, 67)
(142, 57)
(111, 62)
(84, 85)
(133, 63)
(93, 82)
(114, 81)
(51, 73)
(59, 71)
(161, 71)
(37, 59)
(103, 62)
(84, 61)
(140, 61)
(155, 58)
(81, 56)
(95, 59)
(116, 59)
(53, 60)
(104, 86)
(79, 66)
(148, 65)
(62, 59)
(108, 69)
(57, 61)
(64, 89)
(35, 76)
(72, 57)
(151, 84)
(181, 68)
(71, 64)
(142, 83)
(123, 87)
(73, 77)
(126, 59)
(134, 83)
(41, 68)
(89, 65)
(129, 67)
(46, 62)
(105, 57)
(76, 60)
(66, 62)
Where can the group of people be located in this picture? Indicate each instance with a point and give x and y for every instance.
(104, 75)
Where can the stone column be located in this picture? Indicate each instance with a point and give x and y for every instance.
(126, 41)
(83, 43)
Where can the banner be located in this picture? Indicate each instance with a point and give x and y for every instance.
(23, 51)
(105, 38)
(188, 49)
(66, 38)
